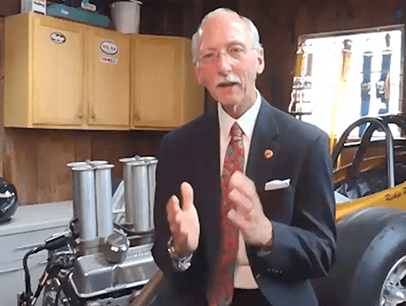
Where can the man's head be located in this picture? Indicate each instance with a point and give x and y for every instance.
(227, 57)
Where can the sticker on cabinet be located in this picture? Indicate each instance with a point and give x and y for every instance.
(108, 47)
(108, 59)
(58, 37)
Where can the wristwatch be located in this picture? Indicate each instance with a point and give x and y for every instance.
(179, 263)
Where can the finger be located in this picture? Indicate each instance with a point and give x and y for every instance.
(241, 182)
(237, 219)
(172, 207)
(241, 203)
(186, 191)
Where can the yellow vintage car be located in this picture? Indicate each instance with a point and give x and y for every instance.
(370, 263)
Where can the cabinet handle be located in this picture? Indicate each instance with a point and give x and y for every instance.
(80, 116)
(92, 114)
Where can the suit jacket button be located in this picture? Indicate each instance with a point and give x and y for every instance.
(258, 275)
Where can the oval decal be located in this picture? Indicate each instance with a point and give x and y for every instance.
(58, 37)
(108, 47)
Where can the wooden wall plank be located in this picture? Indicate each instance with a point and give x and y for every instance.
(20, 163)
(35, 160)
(9, 7)
(112, 146)
(82, 142)
(54, 150)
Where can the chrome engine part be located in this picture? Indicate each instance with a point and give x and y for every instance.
(93, 275)
(102, 263)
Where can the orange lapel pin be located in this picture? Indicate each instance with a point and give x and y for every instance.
(268, 153)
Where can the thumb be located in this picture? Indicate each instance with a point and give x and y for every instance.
(186, 191)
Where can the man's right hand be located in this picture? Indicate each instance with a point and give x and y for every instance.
(183, 221)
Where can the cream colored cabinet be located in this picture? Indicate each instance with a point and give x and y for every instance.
(165, 93)
(64, 74)
(60, 73)
(57, 64)
(109, 79)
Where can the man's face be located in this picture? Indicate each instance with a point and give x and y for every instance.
(227, 64)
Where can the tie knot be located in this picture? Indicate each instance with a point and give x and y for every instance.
(236, 131)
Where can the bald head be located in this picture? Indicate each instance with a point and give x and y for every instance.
(219, 20)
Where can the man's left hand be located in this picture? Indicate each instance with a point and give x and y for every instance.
(247, 212)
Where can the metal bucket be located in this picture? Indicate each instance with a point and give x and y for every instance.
(126, 16)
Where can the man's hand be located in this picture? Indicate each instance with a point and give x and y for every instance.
(183, 221)
(247, 213)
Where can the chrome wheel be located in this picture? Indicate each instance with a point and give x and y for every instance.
(393, 291)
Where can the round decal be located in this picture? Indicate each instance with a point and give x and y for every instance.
(58, 37)
(108, 47)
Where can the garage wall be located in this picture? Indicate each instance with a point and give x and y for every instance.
(34, 160)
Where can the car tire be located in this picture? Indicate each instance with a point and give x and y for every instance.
(371, 244)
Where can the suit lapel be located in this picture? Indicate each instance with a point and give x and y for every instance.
(264, 137)
(208, 152)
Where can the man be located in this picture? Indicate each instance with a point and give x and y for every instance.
(246, 217)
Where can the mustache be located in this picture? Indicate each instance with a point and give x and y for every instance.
(229, 78)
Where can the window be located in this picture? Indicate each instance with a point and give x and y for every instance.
(342, 76)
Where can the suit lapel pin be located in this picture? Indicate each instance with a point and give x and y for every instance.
(268, 153)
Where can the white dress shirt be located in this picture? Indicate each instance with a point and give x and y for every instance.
(243, 277)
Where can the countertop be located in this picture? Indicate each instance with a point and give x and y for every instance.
(37, 216)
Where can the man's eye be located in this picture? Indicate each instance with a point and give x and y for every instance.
(235, 50)
(208, 55)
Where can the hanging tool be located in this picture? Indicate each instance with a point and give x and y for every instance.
(383, 85)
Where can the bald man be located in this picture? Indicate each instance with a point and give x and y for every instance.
(244, 206)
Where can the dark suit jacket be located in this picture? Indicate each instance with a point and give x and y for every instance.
(302, 214)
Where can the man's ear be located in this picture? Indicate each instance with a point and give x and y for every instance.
(197, 70)
(261, 61)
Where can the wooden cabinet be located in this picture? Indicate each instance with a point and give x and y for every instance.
(108, 79)
(57, 71)
(64, 74)
(165, 93)
(60, 73)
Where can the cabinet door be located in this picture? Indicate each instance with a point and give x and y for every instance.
(157, 81)
(57, 72)
(108, 78)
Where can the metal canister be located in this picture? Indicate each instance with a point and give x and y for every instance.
(95, 163)
(104, 210)
(84, 205)
(151, 164)
(128, 191)
(140, 219)
(77, 164)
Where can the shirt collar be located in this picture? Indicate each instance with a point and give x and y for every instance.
(246, 121)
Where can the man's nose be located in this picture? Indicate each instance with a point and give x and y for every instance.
(224, 63)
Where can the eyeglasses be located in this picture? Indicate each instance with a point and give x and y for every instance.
(236, 52)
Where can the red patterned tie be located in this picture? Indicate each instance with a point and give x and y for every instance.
(221, 292)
